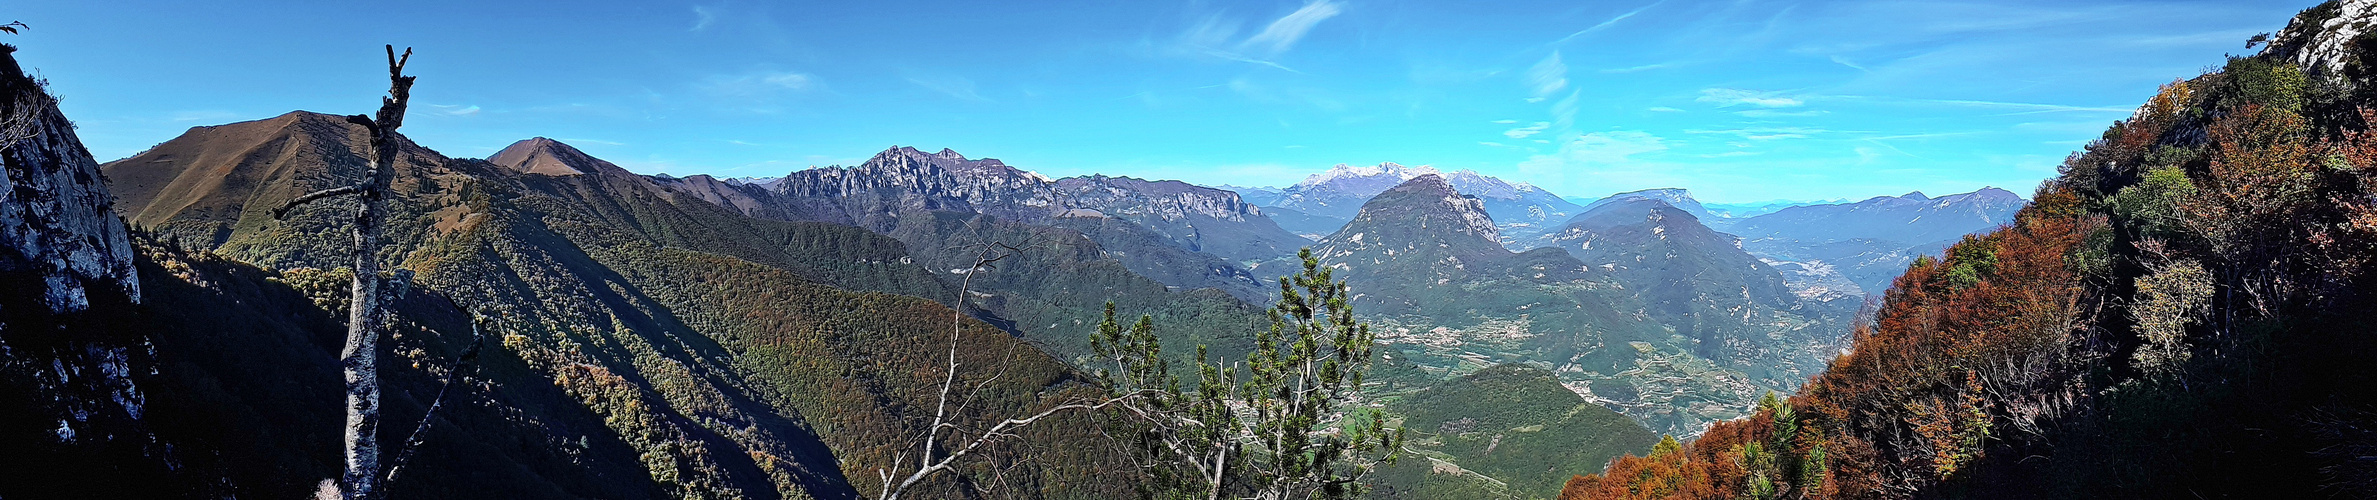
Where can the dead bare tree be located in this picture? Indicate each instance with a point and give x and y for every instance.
(360, 358)
(944, 417)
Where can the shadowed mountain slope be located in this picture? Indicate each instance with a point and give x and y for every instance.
(1073, 257)
(729, 353)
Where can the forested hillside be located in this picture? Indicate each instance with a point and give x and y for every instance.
(1656, 316)
(2182, 313)
(725, 356)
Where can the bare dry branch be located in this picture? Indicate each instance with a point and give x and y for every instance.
(282, 213)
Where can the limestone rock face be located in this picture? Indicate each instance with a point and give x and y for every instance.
(2321, 38)
(1196, 218)
(55, 216)
(1420, 228)
(873, 194)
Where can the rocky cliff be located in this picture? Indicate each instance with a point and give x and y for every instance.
(55, 220)
(72, 389)
(1197, 218)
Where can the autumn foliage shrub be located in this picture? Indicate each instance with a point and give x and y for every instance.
(2181, 312)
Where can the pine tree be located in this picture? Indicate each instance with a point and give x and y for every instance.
(1282, 433)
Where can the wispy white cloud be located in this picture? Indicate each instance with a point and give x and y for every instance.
(1764, 133)
(1606, 24)
(1216, 36)
(1597, 155)
(1920, 136)
(1603, 148)
(2035, 107)
(1524, 132)
(1845, 62)
(1283, 33)
(703, 16)
(1645, 67)
(1726, 98)
(1547, 77)
(1505, 122)
(1891, 147)
(455, 109)
(1564, 110)
(1769, 113)
(1663, 109)
(762, 83)
(2020, 107)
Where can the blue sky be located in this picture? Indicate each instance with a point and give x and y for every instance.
(1736, 100)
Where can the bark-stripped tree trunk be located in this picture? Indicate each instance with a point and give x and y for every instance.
(360, 359)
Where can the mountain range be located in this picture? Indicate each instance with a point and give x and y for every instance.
(1324, 201)
(774, 337)
(706, 352)
(1427, 264)
(1857, 248)
(1828, 250)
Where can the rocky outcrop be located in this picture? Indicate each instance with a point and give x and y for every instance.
(1196, 218)
(1160, 200)
(1423, 212)
(874, 194)
(71, 389)
(55, 216)
(2321, 39)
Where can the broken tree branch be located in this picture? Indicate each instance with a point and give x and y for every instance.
(454, 373)
(282, 213)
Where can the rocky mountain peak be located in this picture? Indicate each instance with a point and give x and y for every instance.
(539, 155)
(1424, 214)
(911, 159)
(1471, 211)
(2320, 39)
(1167, 200)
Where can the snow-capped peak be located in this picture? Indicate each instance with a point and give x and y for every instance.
(1343, 171)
